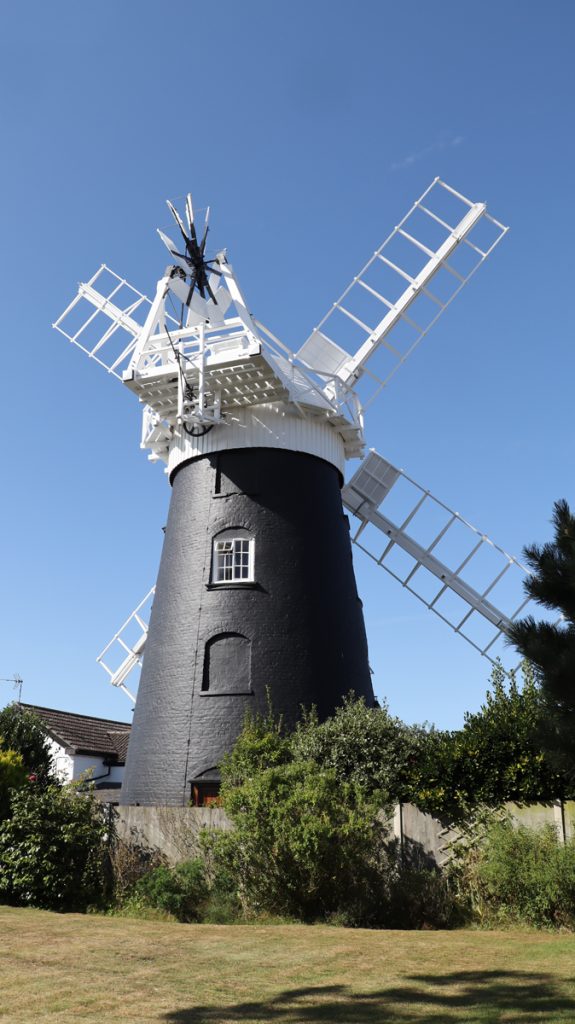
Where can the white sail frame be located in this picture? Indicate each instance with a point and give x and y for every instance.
(324, 351)
(364, 496)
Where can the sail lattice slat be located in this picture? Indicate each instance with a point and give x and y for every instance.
(403, 289)
(105, 319)
(454, 569)
(124, 651)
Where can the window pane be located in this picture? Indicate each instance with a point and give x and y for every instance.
(232, 559)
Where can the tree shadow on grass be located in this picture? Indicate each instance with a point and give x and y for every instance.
(474, 997)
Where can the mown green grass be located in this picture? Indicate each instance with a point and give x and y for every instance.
(68, 968)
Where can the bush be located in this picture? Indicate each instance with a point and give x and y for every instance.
(497, 756)
(53, 850)
(308, 842)
(130, 861)
(521, 876)
(304, 844)
(260, 745)
(179, 891)
(420, 898)
(365, 746)
(12, 776)
(222, 906)
(23, 731)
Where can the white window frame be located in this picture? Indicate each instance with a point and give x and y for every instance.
(233, 557)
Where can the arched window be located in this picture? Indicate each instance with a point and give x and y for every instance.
(233, 557)
(227, 664)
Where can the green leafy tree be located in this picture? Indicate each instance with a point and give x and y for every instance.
(52, 849)
(23, 731)
(306, 842)
(551, 646)
(434, 784)
(497, 756)
(364, 746)
(505, 760)
(12, 776)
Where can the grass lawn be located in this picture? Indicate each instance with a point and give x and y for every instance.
(68, 968)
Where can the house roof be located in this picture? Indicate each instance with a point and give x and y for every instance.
(85, 734)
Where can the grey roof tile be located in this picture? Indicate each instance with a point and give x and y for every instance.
(85, 734)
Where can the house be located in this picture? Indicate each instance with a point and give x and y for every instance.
(81, 743)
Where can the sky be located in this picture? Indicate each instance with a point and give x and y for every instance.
(309, 128)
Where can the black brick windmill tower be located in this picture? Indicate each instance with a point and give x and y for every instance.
(256, 590)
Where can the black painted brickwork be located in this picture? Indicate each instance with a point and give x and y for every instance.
(303, 616)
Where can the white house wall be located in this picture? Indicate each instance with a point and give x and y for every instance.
(85, 762)
(69, 767)
(63, 763)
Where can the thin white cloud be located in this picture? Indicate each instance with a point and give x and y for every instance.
(446, 140)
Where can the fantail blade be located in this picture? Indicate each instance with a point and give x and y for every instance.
(177, 219)
(190, 216)
(178, 257)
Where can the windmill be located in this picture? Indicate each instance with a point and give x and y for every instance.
(256, 589)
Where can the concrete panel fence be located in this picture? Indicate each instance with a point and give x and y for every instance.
(174, 831)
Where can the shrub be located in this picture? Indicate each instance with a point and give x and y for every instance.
(260, 745)
(53, 850)
(365, 746)
(12, 776)
(497, 756)
(521, 876)
(179, 891)
(222, 904)
(130, 861)
(308, 843)
(420, 898)
(304, 844)
(23, 731)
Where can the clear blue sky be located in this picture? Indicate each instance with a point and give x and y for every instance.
(310, 127)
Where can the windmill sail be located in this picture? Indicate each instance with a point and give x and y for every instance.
(402, 290)
(105, 319)
(124, 651)
(453, 568)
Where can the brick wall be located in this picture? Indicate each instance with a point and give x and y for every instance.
(302, 615)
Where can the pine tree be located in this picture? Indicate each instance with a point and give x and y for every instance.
(551, 646)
